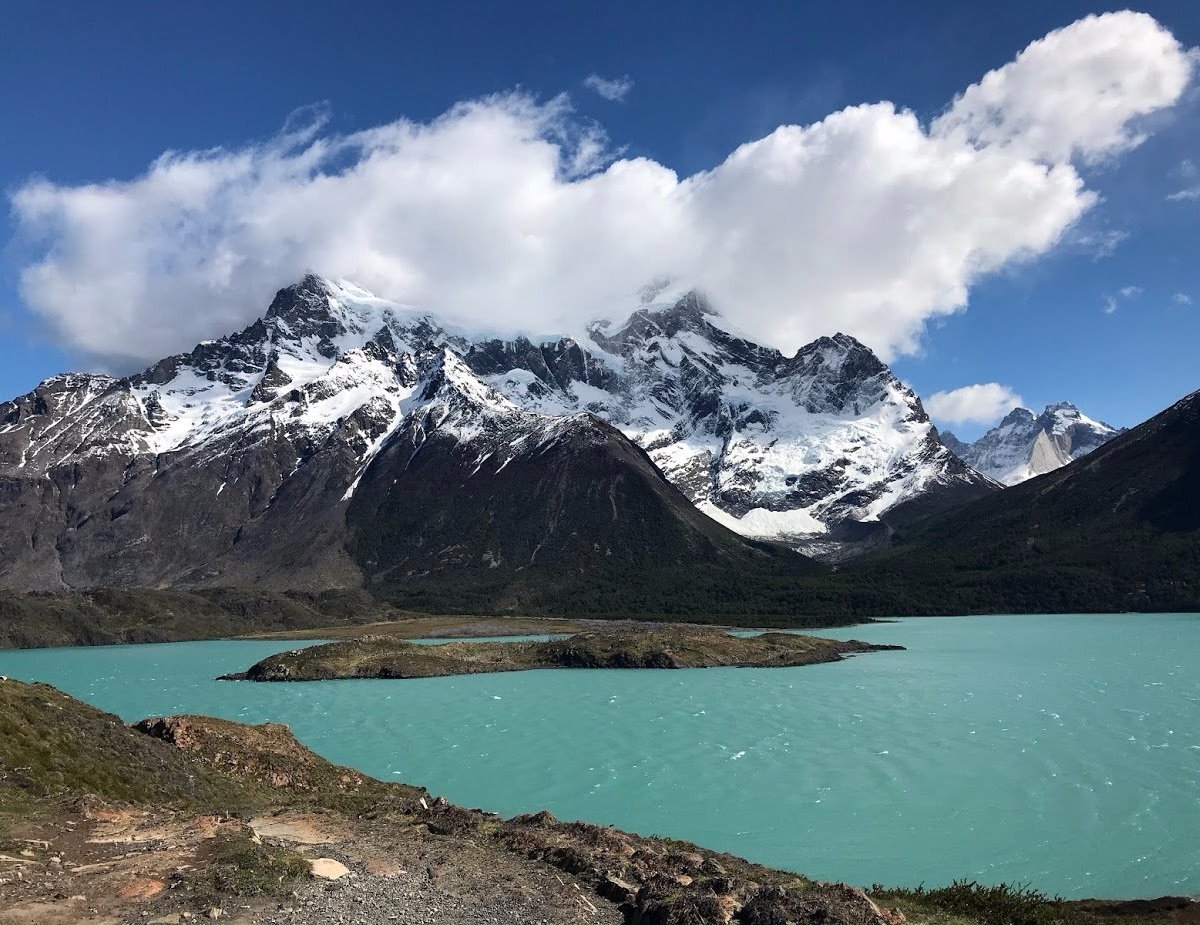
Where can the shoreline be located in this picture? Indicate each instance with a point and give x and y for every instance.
(125, 616)
(238, 818)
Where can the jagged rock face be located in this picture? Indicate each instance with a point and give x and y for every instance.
(240, 461)
(226, 465)
(1025, 445)
(771, 446)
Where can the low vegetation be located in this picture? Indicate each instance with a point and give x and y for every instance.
(54, 748)
(391, 657)
(240, 865)
(1005, 904)
(105, 616)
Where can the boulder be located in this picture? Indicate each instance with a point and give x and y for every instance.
(327, 869)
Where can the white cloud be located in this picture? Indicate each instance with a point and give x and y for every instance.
(1099, 244)
(613, 89)
(511, 214)
(1077, 92)
(973, 404)
(1112, 301)
(1186, 170)
(1181, 298)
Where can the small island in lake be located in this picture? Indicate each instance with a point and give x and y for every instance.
(392, 657)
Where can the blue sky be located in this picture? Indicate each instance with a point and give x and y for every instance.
(93, 93)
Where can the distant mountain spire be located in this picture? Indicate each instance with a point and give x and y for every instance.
(1024, 445)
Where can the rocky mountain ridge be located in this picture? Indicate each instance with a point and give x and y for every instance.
(1025, 445)
(773, 447)
(241, 461)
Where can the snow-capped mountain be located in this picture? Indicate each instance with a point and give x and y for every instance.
(772, 446)
(1025, 444)
(244, 457)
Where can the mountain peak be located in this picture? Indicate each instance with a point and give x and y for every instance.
(841, 357)
(308, 308)
(844, 344)
(308, 295)
(442, 364)
(444, 376)
(1024, 444)
(952, 443)
(1018, 416)
(688, 313)
(771, 446)
(849, 342)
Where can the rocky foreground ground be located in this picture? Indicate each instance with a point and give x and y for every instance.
(183, 819)
(386, 656)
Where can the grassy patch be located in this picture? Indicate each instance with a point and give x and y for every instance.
(52, 747)
(241, 866)
(1005, 904)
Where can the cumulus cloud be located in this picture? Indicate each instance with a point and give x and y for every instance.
(1181, 298)
(613, 89)
(973, 404)
(1076, 92)
(1187, 194)
(511, 214)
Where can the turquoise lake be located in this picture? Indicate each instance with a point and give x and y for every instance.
(1059, 751)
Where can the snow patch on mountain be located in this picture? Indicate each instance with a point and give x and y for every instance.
(760, 522)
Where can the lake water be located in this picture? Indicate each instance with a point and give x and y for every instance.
(1059, 751)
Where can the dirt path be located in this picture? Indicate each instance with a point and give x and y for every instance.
(106, 866)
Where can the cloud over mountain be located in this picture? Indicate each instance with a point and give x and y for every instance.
(508, 213)
(973, 404)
